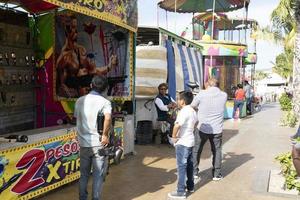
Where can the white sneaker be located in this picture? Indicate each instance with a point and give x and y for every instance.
(217, 178)
(196, 177)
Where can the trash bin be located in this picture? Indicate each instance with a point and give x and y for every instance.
(144, 132)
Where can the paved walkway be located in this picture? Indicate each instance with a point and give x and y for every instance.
(249, 148)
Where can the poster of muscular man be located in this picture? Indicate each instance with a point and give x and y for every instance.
(86, 46)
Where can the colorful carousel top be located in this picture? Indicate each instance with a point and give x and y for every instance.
(194, 6)
(223, 22)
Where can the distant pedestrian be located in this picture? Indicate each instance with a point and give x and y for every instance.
(249, 96)
(210, 104)
(238, 101)
(184, 140)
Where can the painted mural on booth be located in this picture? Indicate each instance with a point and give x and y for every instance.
(84, 47)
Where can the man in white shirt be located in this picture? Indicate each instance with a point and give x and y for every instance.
(87, 109)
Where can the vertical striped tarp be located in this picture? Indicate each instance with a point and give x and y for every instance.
(188, 66)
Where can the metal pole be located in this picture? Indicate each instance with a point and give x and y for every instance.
(175, 13)
(157, 15)
(193, 26)
(213, 20)
(167, 20)
(246, 21)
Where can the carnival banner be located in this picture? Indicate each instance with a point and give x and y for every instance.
(120, 12)
(33, 169)
(84, 47)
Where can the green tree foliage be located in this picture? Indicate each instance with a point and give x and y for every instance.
(284, 64)
(284, 23)
(288, 171)
(285, 102)
(259, 75)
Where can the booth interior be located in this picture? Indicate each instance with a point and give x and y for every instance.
(49, 52)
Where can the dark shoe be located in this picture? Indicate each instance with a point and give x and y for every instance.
(177, 195)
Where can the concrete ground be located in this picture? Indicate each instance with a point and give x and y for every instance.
(249, 148)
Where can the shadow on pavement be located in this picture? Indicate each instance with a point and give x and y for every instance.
(230, 162)
(147, 172)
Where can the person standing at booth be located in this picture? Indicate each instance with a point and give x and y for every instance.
(239, 101)
(86, 113)
(249, 96)
(210, 104)
(164, 103)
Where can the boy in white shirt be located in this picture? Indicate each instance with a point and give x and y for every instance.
(184, 140)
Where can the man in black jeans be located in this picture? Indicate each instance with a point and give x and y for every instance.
(210, 104)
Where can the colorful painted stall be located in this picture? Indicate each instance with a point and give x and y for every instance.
(102, 34)
(223, 58)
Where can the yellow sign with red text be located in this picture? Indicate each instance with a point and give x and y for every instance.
(122, 13)
(30, 170)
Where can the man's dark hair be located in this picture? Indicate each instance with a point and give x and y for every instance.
(246, 82)
(162, 85)
(240, 86)
(99, 83)
(186, 96)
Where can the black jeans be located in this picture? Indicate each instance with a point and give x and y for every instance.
(216, 149)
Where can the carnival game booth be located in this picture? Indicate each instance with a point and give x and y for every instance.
(223, 58)
(163, 57)
(49, 52)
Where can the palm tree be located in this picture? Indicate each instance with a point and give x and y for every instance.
(296, 71)
(283, 30)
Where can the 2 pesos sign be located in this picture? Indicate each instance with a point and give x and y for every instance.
(31, 170)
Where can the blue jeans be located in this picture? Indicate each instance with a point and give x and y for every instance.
(89, 157)
(184, 158)
(238, 104)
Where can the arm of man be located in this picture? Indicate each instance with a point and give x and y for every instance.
(196, 101)
(107, 123)
(106, 129)
(161, 105)
(112, 64)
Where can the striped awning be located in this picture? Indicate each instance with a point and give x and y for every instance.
(188, 66)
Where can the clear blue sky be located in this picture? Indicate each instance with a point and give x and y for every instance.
(259, 10)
